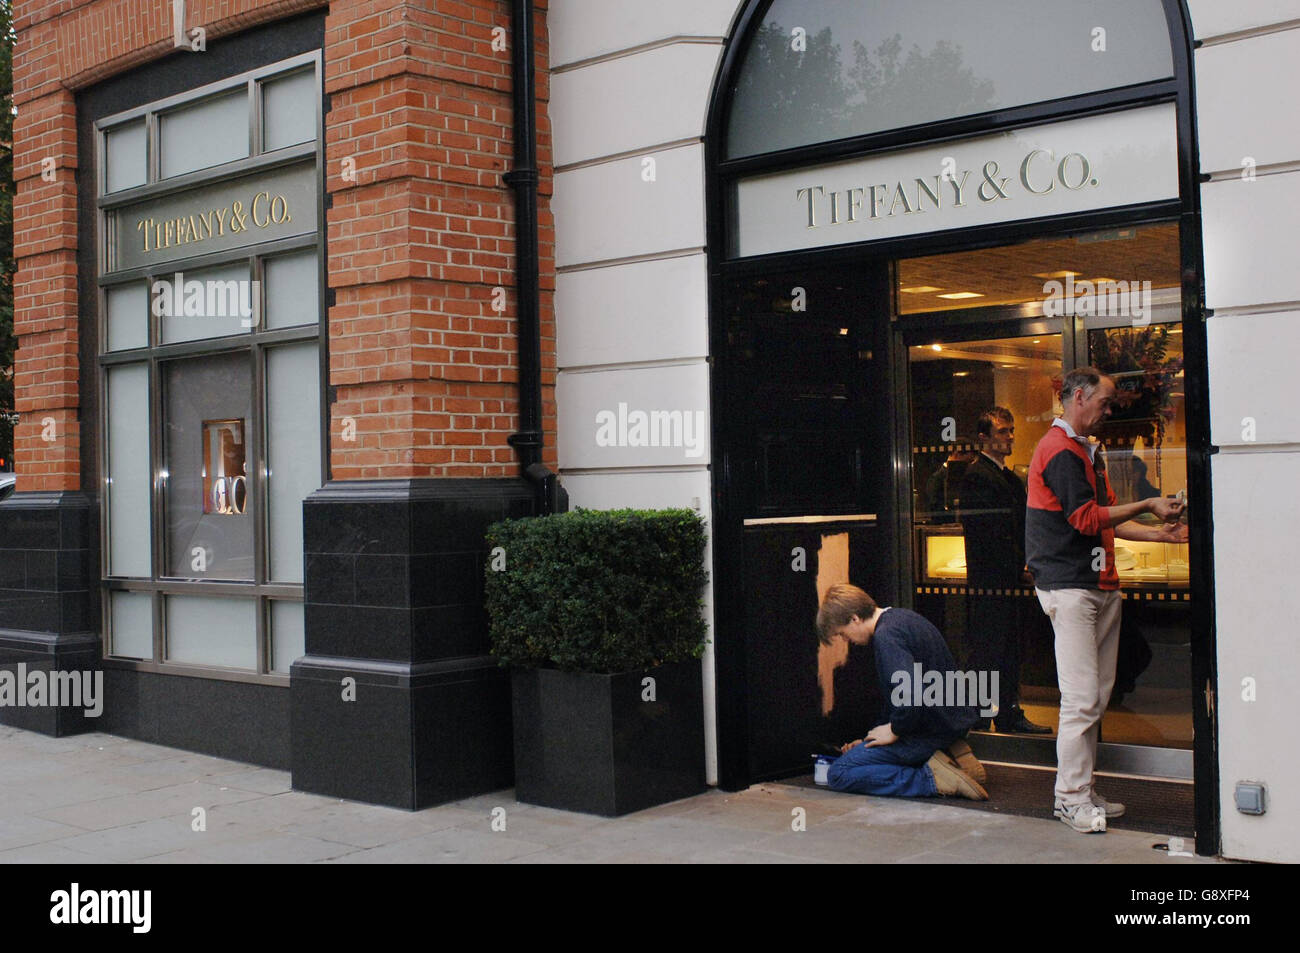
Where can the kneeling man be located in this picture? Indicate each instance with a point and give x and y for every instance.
(920, 750)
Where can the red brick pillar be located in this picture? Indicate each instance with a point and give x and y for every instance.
(421, 239)
(47, 440)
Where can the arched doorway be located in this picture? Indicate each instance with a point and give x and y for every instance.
(895, 196)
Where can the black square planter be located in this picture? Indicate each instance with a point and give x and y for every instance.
(598, 744)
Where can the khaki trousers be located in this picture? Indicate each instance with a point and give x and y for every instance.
(1086, 623)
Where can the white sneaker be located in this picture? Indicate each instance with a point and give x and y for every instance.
(1084, 818)
(1112, 808)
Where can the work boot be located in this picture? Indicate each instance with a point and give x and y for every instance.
(952, 781)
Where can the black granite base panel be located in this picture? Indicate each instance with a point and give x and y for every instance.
(236, 720)
(45, 564)
(394, 568)
(22, 653)
(47, 608)
(401, 735)
(596, 743)
(393, 593)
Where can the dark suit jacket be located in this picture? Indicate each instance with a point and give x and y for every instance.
(992, 509)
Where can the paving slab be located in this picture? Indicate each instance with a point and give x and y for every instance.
(99, 799)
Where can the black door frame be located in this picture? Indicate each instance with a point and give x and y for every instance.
(721, 173)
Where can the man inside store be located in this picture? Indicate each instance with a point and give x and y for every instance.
(992, 511)
(1071, 522)
(920, 749)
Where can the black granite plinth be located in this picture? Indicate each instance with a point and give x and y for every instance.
(594, 743)
(394, 601)
(48, 623)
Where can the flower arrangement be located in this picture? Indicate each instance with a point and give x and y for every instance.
(1146, 378)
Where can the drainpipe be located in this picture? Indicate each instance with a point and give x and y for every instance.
(530, 438)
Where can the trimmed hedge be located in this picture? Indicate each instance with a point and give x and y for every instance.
(603, 591)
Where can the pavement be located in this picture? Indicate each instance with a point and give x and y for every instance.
(98, 798)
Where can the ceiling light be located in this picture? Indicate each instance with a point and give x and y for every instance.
(961, 373)
(958, 295)
(1104, 281)
(919, 289)
(1057, 274)
(936, 347)
(844, 330)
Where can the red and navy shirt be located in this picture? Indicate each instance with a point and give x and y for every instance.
(1069, 543)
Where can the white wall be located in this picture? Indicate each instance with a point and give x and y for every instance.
(631, 82)
(630, 86)
(1245, 72)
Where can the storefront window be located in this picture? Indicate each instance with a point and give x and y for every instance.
(204, 303)
(131, 614)
(128, 464)
(210, 351)
(293, 449)
(127, 316)
(207, 405)
(1053, 276)
(1115, 297)
(285, 121)
(832, 69)
(204, 134)
(292, 289)
(125, 157)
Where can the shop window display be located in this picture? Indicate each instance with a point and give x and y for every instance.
(210, 348)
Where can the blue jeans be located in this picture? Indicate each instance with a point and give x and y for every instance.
(897, 770)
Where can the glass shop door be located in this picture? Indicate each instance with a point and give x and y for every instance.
(998, 328)
(967, 496)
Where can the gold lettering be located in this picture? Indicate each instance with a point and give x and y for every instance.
(221, 220)
(169, 232)
(182, 231)
(257, 198)
(143, 226)
(284, 210)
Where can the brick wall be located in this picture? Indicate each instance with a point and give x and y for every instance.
(419, 237)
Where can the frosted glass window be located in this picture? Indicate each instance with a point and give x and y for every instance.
(209, 399)
(128, 471)
(863, 66)
(289, 110)
(293, 448)
(126, 164)
(128, 316)
(288, 635)
(205, 134)
(292, 289)
(131, 621)
(206, 303)
(206, 630)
